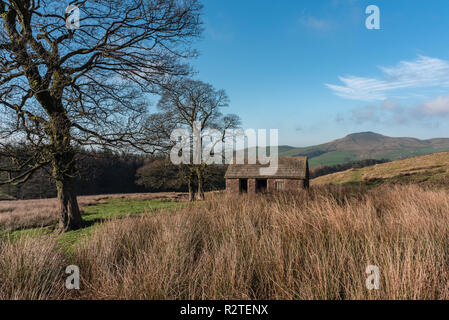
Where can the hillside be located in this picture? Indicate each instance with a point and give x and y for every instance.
(366, 145)
(426, 170)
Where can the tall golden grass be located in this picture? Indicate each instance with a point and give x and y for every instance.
(32, 270)
(307, 245)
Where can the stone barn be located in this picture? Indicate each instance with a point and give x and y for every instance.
(292, 174)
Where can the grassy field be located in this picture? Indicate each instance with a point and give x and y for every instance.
(304, 245)
(35, 218)
(313, 244)
(429, 170)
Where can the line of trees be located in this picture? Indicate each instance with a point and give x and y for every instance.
(97, 173)
(111, 173)
(107, 173)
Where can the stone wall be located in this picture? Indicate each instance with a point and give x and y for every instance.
(251, 186)
(289, 184)
(232, 185)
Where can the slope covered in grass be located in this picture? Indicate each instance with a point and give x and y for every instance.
(429, 170)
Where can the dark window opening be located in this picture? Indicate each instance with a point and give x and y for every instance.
(243, 185)
(261, 185)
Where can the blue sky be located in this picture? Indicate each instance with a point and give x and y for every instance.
(311, 68)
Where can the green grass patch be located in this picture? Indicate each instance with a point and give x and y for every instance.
(112, 209)
(26, 233)
(118, 208)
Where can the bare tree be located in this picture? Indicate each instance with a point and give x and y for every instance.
(189, 103)
(61, 88)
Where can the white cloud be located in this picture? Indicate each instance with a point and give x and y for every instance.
(357, 88)
(424, 72)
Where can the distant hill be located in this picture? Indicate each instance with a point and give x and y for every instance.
(430, 170)
(366, 145)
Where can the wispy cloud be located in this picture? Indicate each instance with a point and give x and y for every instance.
(316, 24)
(424, 72)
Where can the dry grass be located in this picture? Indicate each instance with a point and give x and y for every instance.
(286, 246)
(23, 214)
(280, 247)
(428, 170)
(32, 269)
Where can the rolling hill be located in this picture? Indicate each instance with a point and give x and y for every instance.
(430, 170)
(366, 145)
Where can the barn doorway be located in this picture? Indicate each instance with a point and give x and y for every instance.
(243, 185)
(261, 185)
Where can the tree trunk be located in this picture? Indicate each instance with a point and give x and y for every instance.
(69, 212)
(64, 173)
(191, 192)
(199, 175)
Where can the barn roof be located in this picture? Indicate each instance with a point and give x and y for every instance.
(288, 168)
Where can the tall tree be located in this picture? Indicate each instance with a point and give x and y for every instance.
(196, 106)
(62, 87)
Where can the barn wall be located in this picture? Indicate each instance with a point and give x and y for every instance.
(251, 186)
(270, 184)
(289, 184)
(232, 185)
